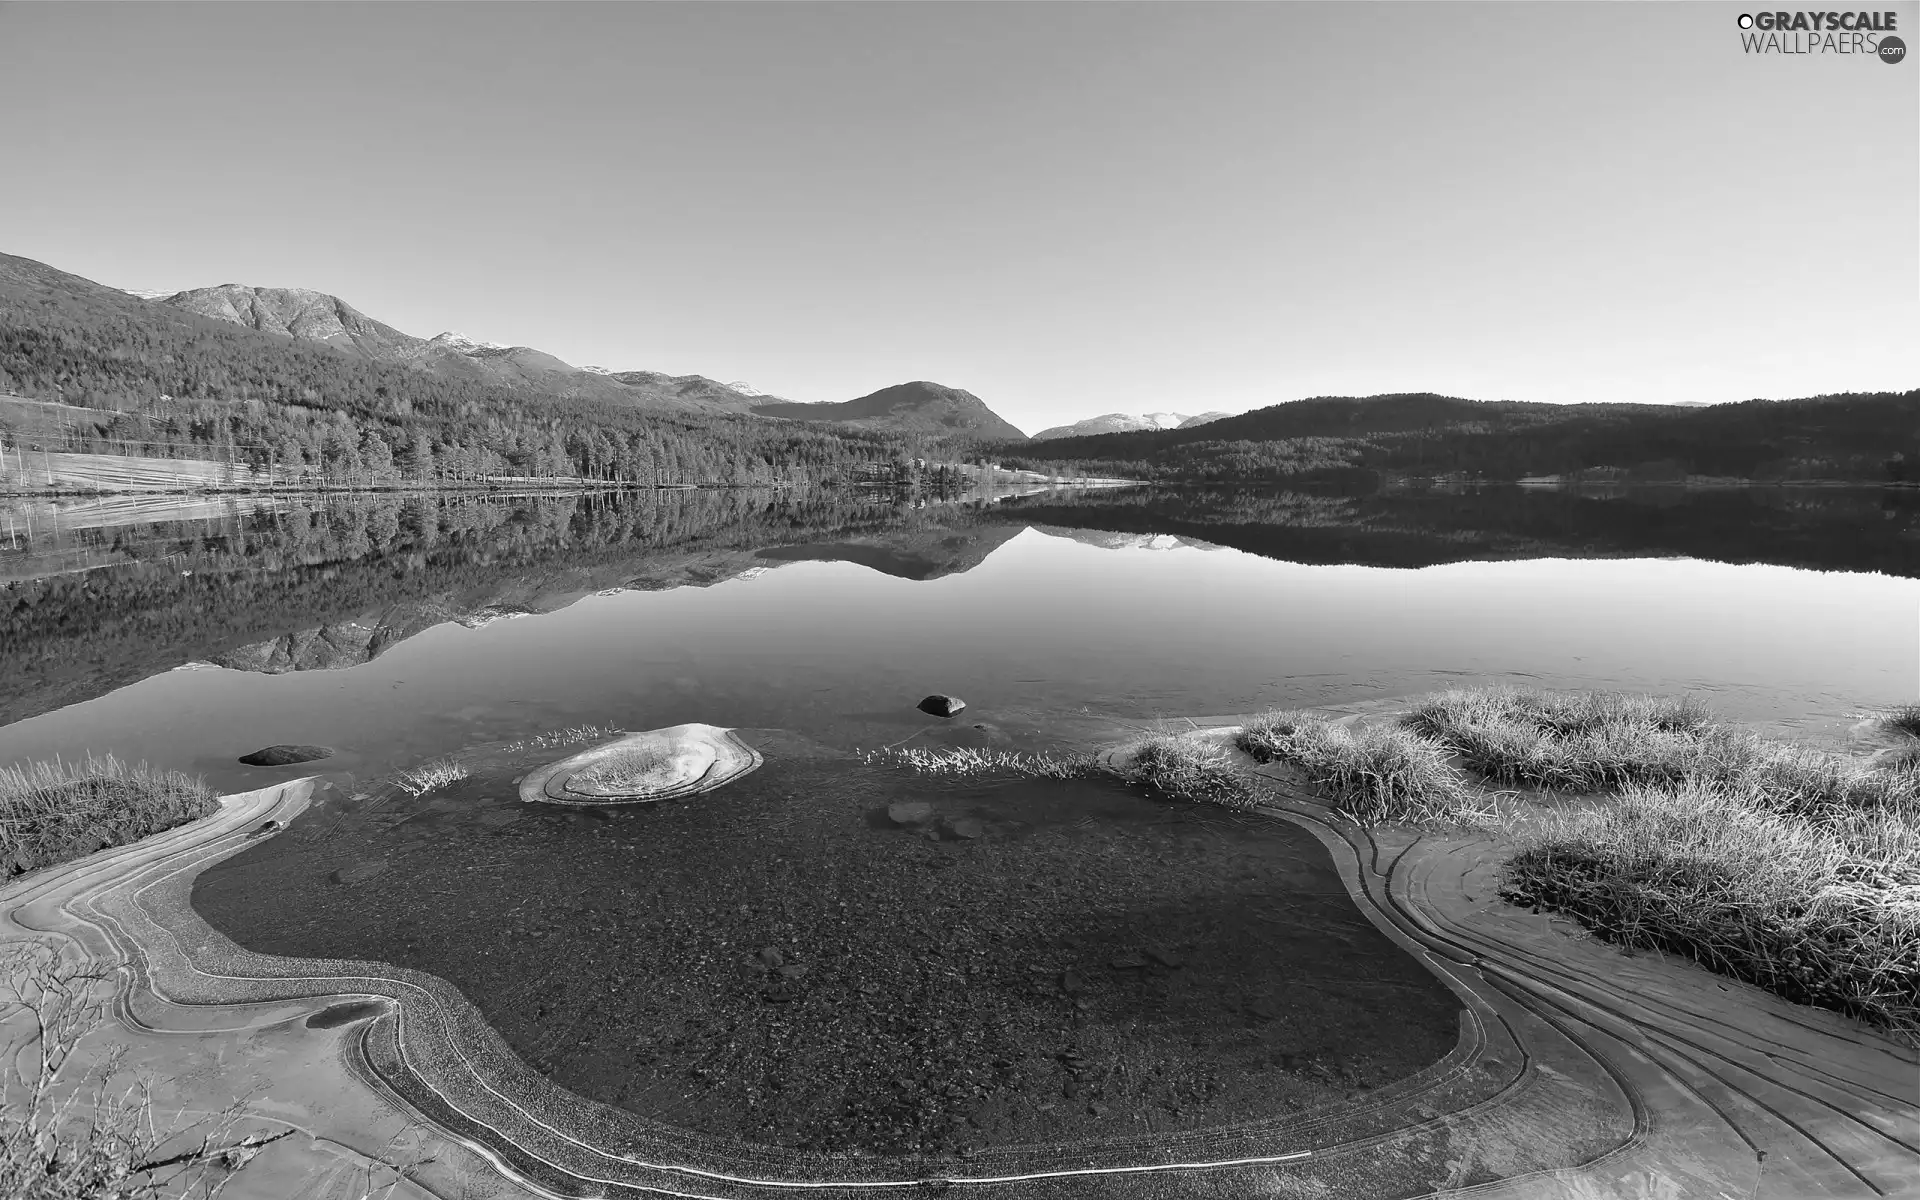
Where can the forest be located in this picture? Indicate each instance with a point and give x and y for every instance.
(175, 385)
(1857, 437)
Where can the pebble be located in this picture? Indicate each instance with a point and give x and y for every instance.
(771, 956)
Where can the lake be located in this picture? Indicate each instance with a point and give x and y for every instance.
(782, 961)
(401, 629)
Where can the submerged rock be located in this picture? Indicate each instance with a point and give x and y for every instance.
(938, 705)
(359, 872)
(285, 756)
(966, 827)
(909, 812)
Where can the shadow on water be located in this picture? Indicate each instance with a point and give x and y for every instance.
(831, 955)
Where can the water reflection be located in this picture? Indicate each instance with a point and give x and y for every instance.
(379, 624)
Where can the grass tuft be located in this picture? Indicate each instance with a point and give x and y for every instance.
(1904, 719)
(1183, 769)
(56, 812)
(1581, 742)
(1380, 775)
(966, 761)
(418, 781)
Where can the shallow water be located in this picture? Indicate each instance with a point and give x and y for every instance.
(783, 961)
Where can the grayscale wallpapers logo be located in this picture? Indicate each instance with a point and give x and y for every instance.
(1867, 34)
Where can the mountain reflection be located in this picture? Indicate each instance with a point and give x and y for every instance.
(97, 594)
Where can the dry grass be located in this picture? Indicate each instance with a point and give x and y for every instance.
(1817, 903)
(1582, 741)
(418, 781)
(98, 1136)
(1380, 775)
(1904, 719)
(966, 761)
(56, 812)
(1788, 867)
(1184, 769)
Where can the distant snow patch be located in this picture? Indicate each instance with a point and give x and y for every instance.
(461, 342)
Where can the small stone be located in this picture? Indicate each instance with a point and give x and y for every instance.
(966, 827)
(285, 756)
(771, 956)
(1126, 962)
(1165, 958)
(1070, 982)
(1096, 1110)
(793, 970)
(909, 812)
(938, 705)
(359, 872)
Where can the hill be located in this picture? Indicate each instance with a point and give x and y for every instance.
(324, 392)
(1856, 437)
(912, 408)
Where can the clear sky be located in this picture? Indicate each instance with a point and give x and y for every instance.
(1068, 209)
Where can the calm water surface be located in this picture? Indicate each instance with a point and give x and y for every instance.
(837, 628)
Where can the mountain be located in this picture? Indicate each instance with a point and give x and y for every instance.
(919, 407)
(1865, 437)
(307, 315)
(1126, 423)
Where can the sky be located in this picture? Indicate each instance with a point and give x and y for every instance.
(1067, 209)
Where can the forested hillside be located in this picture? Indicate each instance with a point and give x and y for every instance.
(1860, 437)
(177, 384)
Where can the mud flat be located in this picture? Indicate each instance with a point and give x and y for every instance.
(1577, 1071)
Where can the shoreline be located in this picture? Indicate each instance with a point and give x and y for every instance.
(1566, 1031)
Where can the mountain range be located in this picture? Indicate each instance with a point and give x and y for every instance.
(919, 407)
(1127, 423)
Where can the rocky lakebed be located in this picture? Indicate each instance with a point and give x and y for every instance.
(832, 955)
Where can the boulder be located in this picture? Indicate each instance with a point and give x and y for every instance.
(937, 705)
(659, 764)
(285, 756)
